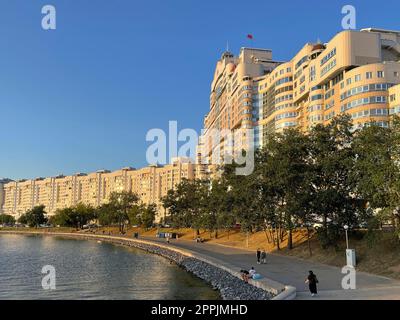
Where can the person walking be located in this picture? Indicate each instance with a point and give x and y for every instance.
(258, 256)
(263, 257)
(312, 283)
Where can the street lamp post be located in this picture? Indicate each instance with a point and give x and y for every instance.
(346, 227)
(350, 253)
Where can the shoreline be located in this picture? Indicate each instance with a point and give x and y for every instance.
(220, 276)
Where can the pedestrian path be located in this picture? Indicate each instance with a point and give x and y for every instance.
(293, 271)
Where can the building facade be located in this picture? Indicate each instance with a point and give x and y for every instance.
(356, 72)
(353, 73)
(232, 107)
(3, 182)
(149, 183)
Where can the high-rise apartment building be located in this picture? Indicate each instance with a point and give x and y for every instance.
(355, 73)
(149, 183)
(2, 193)
(394, 100)
(232, 102)
(352, 74)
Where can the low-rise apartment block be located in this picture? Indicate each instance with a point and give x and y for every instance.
(149, 183)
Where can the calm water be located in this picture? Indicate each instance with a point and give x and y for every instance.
(91, 270)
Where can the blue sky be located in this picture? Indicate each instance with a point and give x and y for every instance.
(83, 97)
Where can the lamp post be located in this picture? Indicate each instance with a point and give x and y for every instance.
(346, 227)
(350, 253)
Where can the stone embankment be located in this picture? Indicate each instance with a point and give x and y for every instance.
(226, 281)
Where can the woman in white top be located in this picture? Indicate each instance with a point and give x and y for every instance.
(252, 272)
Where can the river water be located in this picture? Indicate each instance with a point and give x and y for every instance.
(91, 270)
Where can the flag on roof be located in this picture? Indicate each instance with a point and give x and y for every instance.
(250, 36)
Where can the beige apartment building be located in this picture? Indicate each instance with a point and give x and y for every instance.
(352, 74)
(2, 193)
(356, 72)
(394, 100)
(231, 102)
(149, 183)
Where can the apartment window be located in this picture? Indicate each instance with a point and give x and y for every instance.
(380, 74)
(392, 97)
(342, 85)
(302, 60)
(316, 97)
(312, 73)
(396, 74)
(328, 57)
(348, 82)
(357, 78)
(316, 88)
(328, 67)
(368, 75)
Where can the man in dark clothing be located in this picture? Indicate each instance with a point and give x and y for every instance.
(258, 256)
(312, 283)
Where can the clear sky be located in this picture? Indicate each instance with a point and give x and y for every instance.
(82, 97)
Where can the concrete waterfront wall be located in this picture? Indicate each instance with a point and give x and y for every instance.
(221, 275)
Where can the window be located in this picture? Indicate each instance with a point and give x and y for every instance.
(348, 82)
(392, 97)
(368, 75)
(329, 94)
(316, 88)
(316, 97)
(312, 73)
(302, 60)
(366, 88)
(380, 74)
(357, 78)
(328, 57)
(328, 67)
(396, 74)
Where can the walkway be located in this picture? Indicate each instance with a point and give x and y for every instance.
(292, 271)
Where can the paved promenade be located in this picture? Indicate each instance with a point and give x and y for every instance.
(293, 271)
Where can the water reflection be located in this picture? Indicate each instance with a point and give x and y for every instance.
(91, 270)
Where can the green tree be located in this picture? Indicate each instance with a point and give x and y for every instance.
(244, 197)
(76, 216)
(34, 217)
(288, 177)
(218, 205)
(143, 215)
(185, 204)
(106, 215)
(333, 159)
(377, 169)
(7, 219)
(121, 203)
